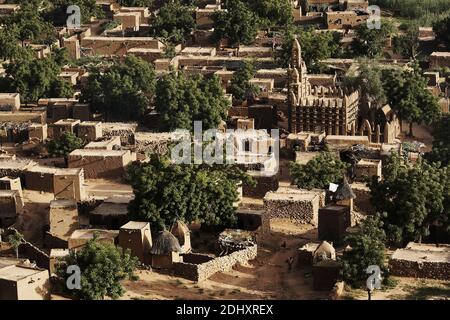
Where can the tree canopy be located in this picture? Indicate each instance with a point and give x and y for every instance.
(413, 198)
(57, 12)
(441, 141)
(181, 100)
(238, 24)
(366, 249)
(123, 91)
(371, 42)
(407, 43)
(272, 12)
(136, 3)
(442, 30)
(64, 145)
(193, 194)
(240, 87)
(319, 172)
(102, 267)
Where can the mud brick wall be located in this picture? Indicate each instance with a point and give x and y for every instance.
(299, 212)
(415, 269)
(264, 185)
(202, 271)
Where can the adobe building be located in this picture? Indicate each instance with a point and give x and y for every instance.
(11, 183)
(439, 60)
(11, 205)
(165, 251)
(37, 131)
(69, 184)
(64, 125)
(80, 237)
(13, 167)
(63, 218)
(345, 19)
(325, 274)
(333, 222)
(112, 213)
(9, 101)
(100, 45)
(106, 144)
(21, 281)
(128, 20)
(100, 163)
(123, 130)
(137, 237)
(81, 111)
(181, 231)
(89, 130)
(40, 178)
(367, 168)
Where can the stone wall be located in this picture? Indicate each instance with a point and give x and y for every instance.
(204, 270)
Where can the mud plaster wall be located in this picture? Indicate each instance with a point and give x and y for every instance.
(416, 269)
(100, 167)
(202, 271)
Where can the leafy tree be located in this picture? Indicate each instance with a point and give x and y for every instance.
(37, 78)
(319, 172)
(238, 25)
(442, 30)
(180, 100)
(441, 142)
(192, 194)
(366, 249)
(136, 3)
(64, 145)
(316, 46)
(103, 266)
(368, 81)
(174, 22)
(15, 240)
(58, 12)
(240, 87)
(414, 198)
(9, 47)
(272, 12)
(123, 91)
(407, 93)
(371, 42)
(407, 44)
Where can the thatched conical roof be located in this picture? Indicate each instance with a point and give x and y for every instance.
(165, 243)
(344, 191)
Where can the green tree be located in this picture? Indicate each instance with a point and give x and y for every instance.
(123, 91)
(319, 172)
(413, 198)
(240, 87)
(272, 12)
(103, 266)
(238, 24)
(9, 38)
(366, 249)
(174, 22)
(64, 145)
(58, 11)
(407, 43)
(15, 240)
(192, 195)
(180, 100)
(371, 42)
(442, 30)
(136, 3)
(316, 46)
(441, 141)
(407, 93)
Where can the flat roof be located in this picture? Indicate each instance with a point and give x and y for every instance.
(18, 272)
(132, 225)
(89, 233)
(291, 194)
(423, 253)
(441, 54)
(98, 153)
(62, 203)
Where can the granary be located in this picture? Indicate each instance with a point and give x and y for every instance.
(112, 213)
(89, 130)
(22, 281)
(421, 260)
(181, 231)
(333, 222)
(63, 218)
(100, 163)
(64, 125)
(11, 183)
(165, 250)
(292, 204)
(9, 101)
(106, 144)
(11, 205)
(136, 236)
(344, 195)
(80, 237)
(367, 168)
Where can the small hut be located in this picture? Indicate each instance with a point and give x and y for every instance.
(344, 195)
(325, 251)
(181, 231)
(165, 250)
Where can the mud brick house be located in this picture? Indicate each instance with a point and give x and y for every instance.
(420, 260)
(64, 125)
(80, 237)
(14, 167)
(63, 218)
(345, 19)
(11, 205)
(112, 213)
(128, 20)
(38, 131)
(99, 45)
(21, 281)
(125, 131)
(292, 204)
(89, 130)
(81, 111)
(9, 101)
(69, 184)
(107, 144)
(100, 163)
(439, 60)
(367, 168)
(137, 237)
(333, 221)
(40, 178)
(265, 182)
(11, 183)
(144, 12)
